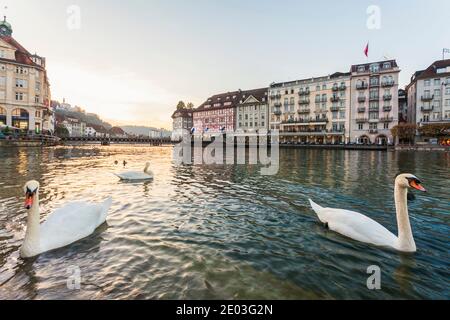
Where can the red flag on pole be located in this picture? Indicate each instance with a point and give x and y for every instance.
(366, 50)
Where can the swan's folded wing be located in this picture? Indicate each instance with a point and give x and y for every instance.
(134, 175)
(359, 227)
(74, 221)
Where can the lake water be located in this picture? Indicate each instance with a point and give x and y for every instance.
(224, 231)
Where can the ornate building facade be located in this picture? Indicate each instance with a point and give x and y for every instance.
(24, 86)
(374, 96)
(314, 110)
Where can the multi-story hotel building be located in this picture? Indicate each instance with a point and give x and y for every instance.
(182, 122)
(429, 94)
(314, 110)
(24, 86)
(217, 114)
(374, 106)
(252, 112)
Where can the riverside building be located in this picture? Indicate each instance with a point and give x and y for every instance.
(429, 94)
(24, 86)
(374, 107)
(312, 111)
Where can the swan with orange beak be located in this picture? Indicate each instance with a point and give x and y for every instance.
(359, 227)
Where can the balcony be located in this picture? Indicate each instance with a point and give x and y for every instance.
(342, 87)
(277, 105)
(386, 119)
(334, 99)
(362, 109)
(334, 108)
(304, 92)
(374, 109)
(427, 97)
(362, 86)
(427, 108)
(303, 102)
(361, 120)
(319, 120)
(304, 121)
(272, 97)
(304, 111)
(387, 84)
(387, 97)
(374, 84)
(361, 99)
(335, 88)
(277, 111)
(373, 131)
(374, 98)
(387, 108)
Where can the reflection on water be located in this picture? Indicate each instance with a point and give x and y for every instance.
(224, 231)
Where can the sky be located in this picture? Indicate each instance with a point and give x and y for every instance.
(132, 61)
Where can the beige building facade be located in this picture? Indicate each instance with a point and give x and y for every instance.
(24, 86)
(374, 96)
(312, 111)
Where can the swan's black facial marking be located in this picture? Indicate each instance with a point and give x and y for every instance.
(415, 184)
(30, 192)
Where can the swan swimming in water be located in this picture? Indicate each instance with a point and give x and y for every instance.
(73, 222)
(136, 175)
(361, 228)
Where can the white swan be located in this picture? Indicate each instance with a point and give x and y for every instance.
(73, 222)
(361, 228)
(136, 175)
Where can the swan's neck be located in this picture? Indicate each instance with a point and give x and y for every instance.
(146, 168)
(405, 235)
(32, 236)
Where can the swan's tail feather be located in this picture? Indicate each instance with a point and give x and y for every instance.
(318, 210)
(315, 206)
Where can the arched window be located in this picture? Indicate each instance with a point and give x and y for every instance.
(2, 116)
(20, 119)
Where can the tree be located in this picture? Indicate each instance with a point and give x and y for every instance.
(181, 105)
(435, 130)
(405, 132)
(190, 106)
(61, 131)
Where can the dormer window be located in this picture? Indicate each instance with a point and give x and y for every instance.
(387, 65)
(375, 67)
(361, 69)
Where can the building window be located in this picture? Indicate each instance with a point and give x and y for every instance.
(386, 126)
(387, 65)
(20, 96)
(360, 126)
(21, 83)
(375, 67)
(37, 99)
(427, 83)
(437, 82)
(361, 69)
(21, 70)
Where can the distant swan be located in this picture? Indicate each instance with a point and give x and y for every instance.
(136, 175)
(73, 222)
(361, 228)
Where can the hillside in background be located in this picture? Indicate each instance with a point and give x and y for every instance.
(88, 118)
